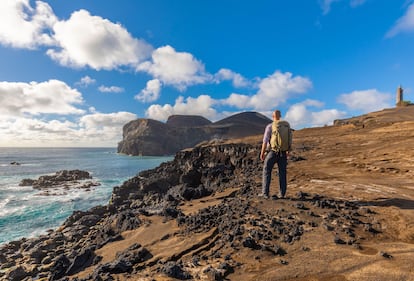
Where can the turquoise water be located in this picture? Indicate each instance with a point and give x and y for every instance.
(25, 212)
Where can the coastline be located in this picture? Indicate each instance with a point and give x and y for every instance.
(198, 217)
(27, 212)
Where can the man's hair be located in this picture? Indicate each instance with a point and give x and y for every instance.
(277, 113)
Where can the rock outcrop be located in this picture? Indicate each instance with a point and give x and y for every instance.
(62, 179)
(150, 137)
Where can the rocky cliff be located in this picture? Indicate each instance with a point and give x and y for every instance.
(150, 137)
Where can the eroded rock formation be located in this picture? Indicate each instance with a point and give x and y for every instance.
(61, 179)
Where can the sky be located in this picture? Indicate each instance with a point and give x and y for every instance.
(73, 72)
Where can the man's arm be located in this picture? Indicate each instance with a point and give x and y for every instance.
(262, 152)
(266, 140)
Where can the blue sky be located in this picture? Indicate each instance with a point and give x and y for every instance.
(73, 72)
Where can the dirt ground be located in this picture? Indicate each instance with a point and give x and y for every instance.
(369, 163)
(372, 166)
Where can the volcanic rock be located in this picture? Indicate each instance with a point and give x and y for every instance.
(65, 178)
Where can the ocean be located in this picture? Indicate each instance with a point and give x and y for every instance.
(26, 212)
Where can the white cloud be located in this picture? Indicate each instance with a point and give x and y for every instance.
(238, 100)
(87, 40)
(51, 97)
(327, 4)
(92, 109)
(23, 131)
(95, 129)
(273, 91)
(202, 105)
(97, 121)
(299, 115)
(111, 89)
(151, 92)
(356, 3)
(85, 81)
(82, 40)
(237, 79)
(326, 117)
(22, 26)
(366, 101)
(178, 69)
(25, 128)
(403, 24)
(278, 87)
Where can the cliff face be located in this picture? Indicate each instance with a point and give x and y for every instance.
(146, 135)
(150, 137)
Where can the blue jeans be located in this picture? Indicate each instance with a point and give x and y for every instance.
(271, 159)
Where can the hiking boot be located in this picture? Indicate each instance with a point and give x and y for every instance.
(263, 195)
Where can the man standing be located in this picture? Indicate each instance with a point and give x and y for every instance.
(279, 135)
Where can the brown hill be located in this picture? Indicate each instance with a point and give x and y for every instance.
(150, 137)
(386, 116)
(348, 215)
(243, 124)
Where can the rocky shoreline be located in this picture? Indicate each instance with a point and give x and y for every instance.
(236, 222)
(60, 181)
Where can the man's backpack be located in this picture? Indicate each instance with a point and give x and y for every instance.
(281, 139)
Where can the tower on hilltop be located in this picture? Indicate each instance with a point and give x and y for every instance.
(400, 98)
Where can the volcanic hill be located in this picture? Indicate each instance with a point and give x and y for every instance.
(348, 215)
(151, 137)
